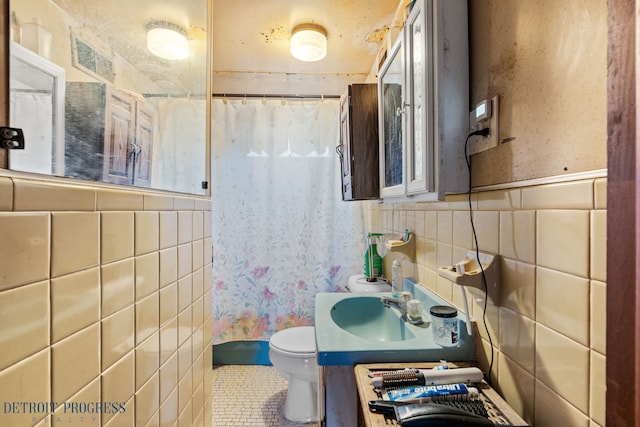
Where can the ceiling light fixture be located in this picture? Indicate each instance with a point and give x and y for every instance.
(309, 42)
(168, 41)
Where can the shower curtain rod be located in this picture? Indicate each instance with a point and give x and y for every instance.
(273, 95)
(175, 95)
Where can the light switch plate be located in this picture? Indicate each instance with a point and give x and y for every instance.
(478, 143)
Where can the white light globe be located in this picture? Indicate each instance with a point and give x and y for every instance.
(308, 43)
(167, 43)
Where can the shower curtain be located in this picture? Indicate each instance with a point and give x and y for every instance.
(281, 231)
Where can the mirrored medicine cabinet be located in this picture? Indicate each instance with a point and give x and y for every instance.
(423, 104)
(95, 103)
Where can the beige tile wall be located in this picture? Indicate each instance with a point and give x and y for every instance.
(104, 297)
(548, 330)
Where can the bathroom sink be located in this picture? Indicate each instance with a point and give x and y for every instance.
(367, 318)
(357, 328)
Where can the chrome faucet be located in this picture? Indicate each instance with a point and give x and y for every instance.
(401, 305)
(396, 303)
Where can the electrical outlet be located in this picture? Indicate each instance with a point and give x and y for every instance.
(484, 115)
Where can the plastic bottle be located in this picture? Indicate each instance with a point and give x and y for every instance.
(36, 38)
(444, 324)
(15, 30)
(396, 278)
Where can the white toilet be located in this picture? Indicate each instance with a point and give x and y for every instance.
(293, 353)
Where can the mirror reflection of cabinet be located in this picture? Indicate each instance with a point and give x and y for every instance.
(114, 142)
(37, 94)
(424, 91)
(358, 147)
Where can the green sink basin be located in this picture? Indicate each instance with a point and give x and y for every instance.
(368, 318)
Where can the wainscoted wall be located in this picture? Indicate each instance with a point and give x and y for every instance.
(548, 332)
(105, 296)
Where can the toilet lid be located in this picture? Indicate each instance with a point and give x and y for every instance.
(359, 283)
(301, 339)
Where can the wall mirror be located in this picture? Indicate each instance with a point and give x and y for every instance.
(98, 98)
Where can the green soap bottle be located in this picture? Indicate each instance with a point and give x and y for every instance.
(372, 258)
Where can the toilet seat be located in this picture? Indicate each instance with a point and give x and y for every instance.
(297, 341)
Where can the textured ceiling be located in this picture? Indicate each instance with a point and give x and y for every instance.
(250, 39)
(251, 44)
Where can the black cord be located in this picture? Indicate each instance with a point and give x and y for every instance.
(482, 132)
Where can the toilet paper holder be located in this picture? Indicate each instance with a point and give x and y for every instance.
(468, 272)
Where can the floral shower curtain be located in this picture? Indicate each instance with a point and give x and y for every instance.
(281, 231)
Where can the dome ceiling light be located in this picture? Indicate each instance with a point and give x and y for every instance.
(167, 41)
(309, 42)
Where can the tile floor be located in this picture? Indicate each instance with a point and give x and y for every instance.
(232, 384)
